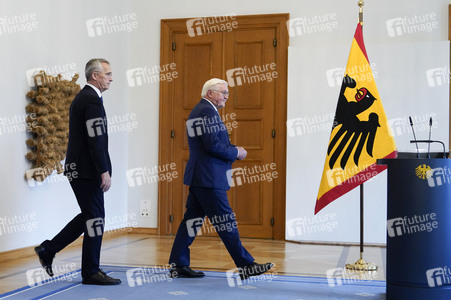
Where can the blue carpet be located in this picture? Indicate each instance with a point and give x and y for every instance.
(147, 283)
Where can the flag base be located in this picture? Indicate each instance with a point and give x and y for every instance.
(362, 265)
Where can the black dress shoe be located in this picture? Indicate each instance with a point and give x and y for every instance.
(185, 272)
(101, 278)
(45, 258)
(254, 269)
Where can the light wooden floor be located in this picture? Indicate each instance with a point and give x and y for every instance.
(207, 253)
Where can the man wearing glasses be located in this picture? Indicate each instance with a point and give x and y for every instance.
(211, 156)
(88, 168)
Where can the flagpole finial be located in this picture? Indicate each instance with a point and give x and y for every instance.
(360, 4)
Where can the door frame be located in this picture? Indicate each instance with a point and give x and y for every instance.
(168, 28)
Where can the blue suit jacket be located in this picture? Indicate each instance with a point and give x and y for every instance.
(210, 152)
(87, 150)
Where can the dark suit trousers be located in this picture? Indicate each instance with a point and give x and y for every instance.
(89, 221)
(203, 202)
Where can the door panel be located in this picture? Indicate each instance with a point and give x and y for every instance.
(250, 52)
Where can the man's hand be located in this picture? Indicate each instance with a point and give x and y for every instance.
(106, 181)
(242, 153)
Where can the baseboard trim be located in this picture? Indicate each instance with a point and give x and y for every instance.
(336, 243)
(29, 251)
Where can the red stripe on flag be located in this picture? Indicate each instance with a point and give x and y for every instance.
(348, 185)
(358, 36)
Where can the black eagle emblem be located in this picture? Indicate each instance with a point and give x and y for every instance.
(359, 133)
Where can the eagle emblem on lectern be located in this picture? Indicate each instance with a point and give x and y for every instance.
(422, 171)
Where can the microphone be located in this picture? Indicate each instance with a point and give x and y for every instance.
(414, 137)
(429, 144)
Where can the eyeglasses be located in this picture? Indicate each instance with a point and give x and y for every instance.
(222, 92)
(105, 74)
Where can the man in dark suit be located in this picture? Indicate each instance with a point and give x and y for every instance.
(211, 156)
(88, 168)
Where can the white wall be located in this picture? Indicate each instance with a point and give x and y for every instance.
(61, 37)
(59, 42)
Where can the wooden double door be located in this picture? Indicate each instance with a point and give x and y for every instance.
(252, 60)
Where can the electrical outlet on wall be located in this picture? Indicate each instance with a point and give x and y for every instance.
(145, 208)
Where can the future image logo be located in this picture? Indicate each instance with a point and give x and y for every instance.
(411, 224)
(257, 173)
(119, 123)
(206, 25)
(335, 176)
(411, 24)
(18, 223)
(146, 175)
(111, 24)
(439, 176)
(18, 123)
(212, 224)
(438, 276)
(357, 174)
(135, 277)
(401, 125)
(205, 125)
(249, 75)
(18, 23)
(67, 71)
(309, 124)
(306, 225)
(194, 226)
(63, 273)
(95, 227)
(335, 76)
(116, 223)
(195, 127)
(36, 176)
(312, 24)
(44, 175)
(96, 127)
(234, 279)
(236, 177)
(438, 76)
(145, 275)
(146, 75)
(340, 276)
(366, 72)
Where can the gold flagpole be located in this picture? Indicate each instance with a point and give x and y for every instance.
(361, 264)
(360, 4)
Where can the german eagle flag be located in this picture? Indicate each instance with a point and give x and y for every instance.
(360, 133)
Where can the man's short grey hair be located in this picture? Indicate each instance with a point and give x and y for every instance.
(210, 84)
(94, 65)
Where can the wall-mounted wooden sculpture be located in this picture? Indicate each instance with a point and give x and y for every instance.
(48, 119)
